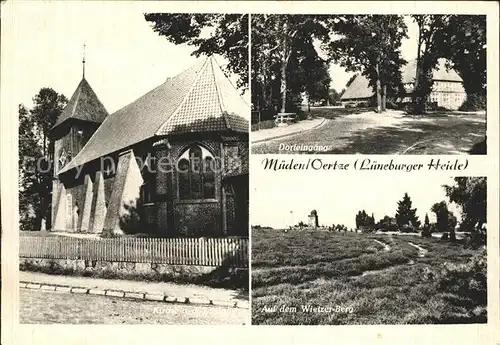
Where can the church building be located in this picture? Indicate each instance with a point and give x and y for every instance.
(173, 163)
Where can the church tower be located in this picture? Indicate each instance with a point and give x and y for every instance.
(78, 121)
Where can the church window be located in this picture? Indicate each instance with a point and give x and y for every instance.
(196, 174)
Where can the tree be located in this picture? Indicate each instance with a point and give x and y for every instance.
(317, 79)
(363, 219)
(445, 220)
(228, 36)
(470, 194)
(334, 97)
(426, 231)
(35, 160)
(430, 39)
(405, 215)
(370, 44)
(465, 48)
(277, 40)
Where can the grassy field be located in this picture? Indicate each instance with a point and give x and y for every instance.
(356, 279)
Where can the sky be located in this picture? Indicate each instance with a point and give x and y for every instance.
(339, 75)
(125, 58)
(337, 197)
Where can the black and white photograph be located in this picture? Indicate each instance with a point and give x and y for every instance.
(240, 166)
(368, 84)
(399, 251)
(133, 166)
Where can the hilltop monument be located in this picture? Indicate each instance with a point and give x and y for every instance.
(313, 219)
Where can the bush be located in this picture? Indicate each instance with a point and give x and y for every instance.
(28, 224)
(426, 232)
(109, 233)
(474, 102)
(466, 280)
(391, 105)
(263, 125)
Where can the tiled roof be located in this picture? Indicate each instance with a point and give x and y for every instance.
(83, 105)
(200, 99)
(360, 88)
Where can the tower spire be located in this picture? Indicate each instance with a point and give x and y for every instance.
(83, 60)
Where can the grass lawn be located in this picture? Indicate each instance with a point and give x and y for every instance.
(55, 307)
(355, 279)
(36, 234)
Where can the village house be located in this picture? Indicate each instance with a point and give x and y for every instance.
(447, 89)
(174, 162)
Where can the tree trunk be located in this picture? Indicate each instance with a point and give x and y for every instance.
(384, 97)
(379, 99)
(283, 86)
(283, 69)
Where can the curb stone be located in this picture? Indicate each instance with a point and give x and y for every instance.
(135, 295)
(230, 304)
(33, 286)
(97, 292)
(170, 299)
(79, 290)
(199, 300)
(156, 297)
(63, 288)
(115, 293)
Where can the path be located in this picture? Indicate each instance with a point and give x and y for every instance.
(46, 307)
(386, 246)
(194, 293)
(300, 127)
(421, 251)
(389, 133)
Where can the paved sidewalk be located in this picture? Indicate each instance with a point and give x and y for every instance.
(280, 132)
(167, 292)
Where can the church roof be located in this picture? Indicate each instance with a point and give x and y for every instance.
(200, 99)
(360, 87)
(83, 105)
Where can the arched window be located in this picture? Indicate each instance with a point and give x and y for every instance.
(196, 174)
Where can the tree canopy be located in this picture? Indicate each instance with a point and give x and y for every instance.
(222, 34)
(284, 43)
(465, 49)
(470, 194)
(405, 214)
(35, 166)
(370, 44)
(445, 219)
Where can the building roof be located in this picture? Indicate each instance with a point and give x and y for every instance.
(200, 99)
(360, 87)
(83, 105)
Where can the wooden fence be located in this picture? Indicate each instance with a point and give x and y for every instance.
(175, 251)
